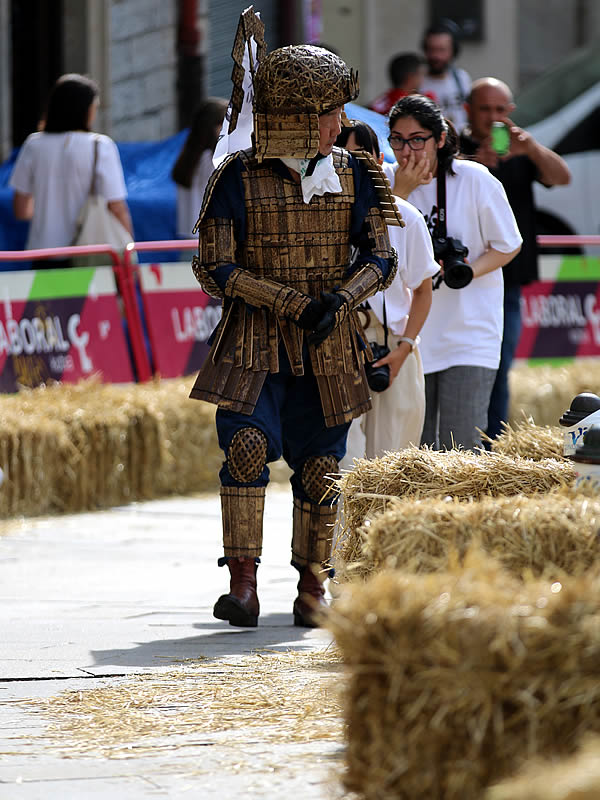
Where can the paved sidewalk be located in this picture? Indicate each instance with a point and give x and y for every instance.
(89, 600)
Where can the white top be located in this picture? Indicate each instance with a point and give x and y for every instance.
(415, 263)
(448, 95)
(189, 201)
(56, 168)
(464, 326)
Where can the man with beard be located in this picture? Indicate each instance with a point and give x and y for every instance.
(448, 85)
(525, 162)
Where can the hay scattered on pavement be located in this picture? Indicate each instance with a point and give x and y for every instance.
(551, 534)
(276, 697)
(457, 678)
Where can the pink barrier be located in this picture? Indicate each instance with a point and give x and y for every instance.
(51, 328)
(127, 277)
(567, 241)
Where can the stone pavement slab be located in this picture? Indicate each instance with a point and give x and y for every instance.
(91, 600)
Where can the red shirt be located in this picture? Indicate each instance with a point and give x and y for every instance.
(386, 101)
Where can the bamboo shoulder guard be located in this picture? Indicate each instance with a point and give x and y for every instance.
(382, 187)
(210, 187)
(216, 238)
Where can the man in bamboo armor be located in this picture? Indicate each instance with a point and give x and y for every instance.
(277, 229)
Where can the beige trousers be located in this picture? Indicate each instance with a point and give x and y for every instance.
(397, 417)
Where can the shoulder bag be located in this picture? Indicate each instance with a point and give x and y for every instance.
(97, 225)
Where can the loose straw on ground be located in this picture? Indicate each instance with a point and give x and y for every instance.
(282, 697)
(457, 678)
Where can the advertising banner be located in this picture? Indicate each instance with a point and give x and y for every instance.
(179, 317)
(560, 314)
(62, 325)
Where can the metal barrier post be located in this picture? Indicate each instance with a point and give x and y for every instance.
(132, 314)
(129, 272)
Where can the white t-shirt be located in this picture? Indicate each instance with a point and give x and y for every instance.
(449, 97)
(189, 201)
(415, 263)
(464, 326)
(56, 168)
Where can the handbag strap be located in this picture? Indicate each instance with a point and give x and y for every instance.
(93, 182)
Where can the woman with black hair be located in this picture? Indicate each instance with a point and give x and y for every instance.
(461, 338)
(396, 418)
(53, 172)
(194, 164)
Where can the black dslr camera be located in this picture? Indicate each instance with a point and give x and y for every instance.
(378, 378)
(451, 251)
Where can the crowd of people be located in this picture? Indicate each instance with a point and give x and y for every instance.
(471, 333)
(366, 306)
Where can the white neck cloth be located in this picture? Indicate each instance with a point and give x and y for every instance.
(323, 179)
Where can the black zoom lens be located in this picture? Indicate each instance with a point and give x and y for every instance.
(378, 378)
(457, 275)
(452, 252)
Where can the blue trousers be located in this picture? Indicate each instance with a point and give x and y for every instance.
(499, 400)
(290, 415)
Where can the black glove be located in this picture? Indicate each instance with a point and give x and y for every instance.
(332, 302)
(311, 315)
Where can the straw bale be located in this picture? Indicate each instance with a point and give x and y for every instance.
(544, 393)
(28, 452)
(573, 778)
(75, 447)
(525, 438)
(457, 678)
(108, 430)
(552, 535)
(186, 429)
(421, 472)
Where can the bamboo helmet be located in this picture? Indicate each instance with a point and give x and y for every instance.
(292, 86)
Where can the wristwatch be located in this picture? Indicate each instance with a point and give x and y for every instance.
(412, 342)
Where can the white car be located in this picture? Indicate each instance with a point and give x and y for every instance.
(561, 109)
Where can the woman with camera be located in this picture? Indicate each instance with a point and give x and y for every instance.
(396, 374)
(474, 234)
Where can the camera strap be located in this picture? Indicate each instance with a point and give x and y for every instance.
(385, 327)
(440, 227)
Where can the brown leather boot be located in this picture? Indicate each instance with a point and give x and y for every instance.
(240, 607)
(311, 596)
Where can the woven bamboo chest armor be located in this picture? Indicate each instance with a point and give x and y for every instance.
(305, 246)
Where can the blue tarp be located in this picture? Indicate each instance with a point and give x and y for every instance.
(379, 124)
(151, 192)
(151, 196)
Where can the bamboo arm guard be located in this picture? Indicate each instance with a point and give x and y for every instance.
(265, 293)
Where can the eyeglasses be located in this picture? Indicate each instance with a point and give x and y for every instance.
(416, 143)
